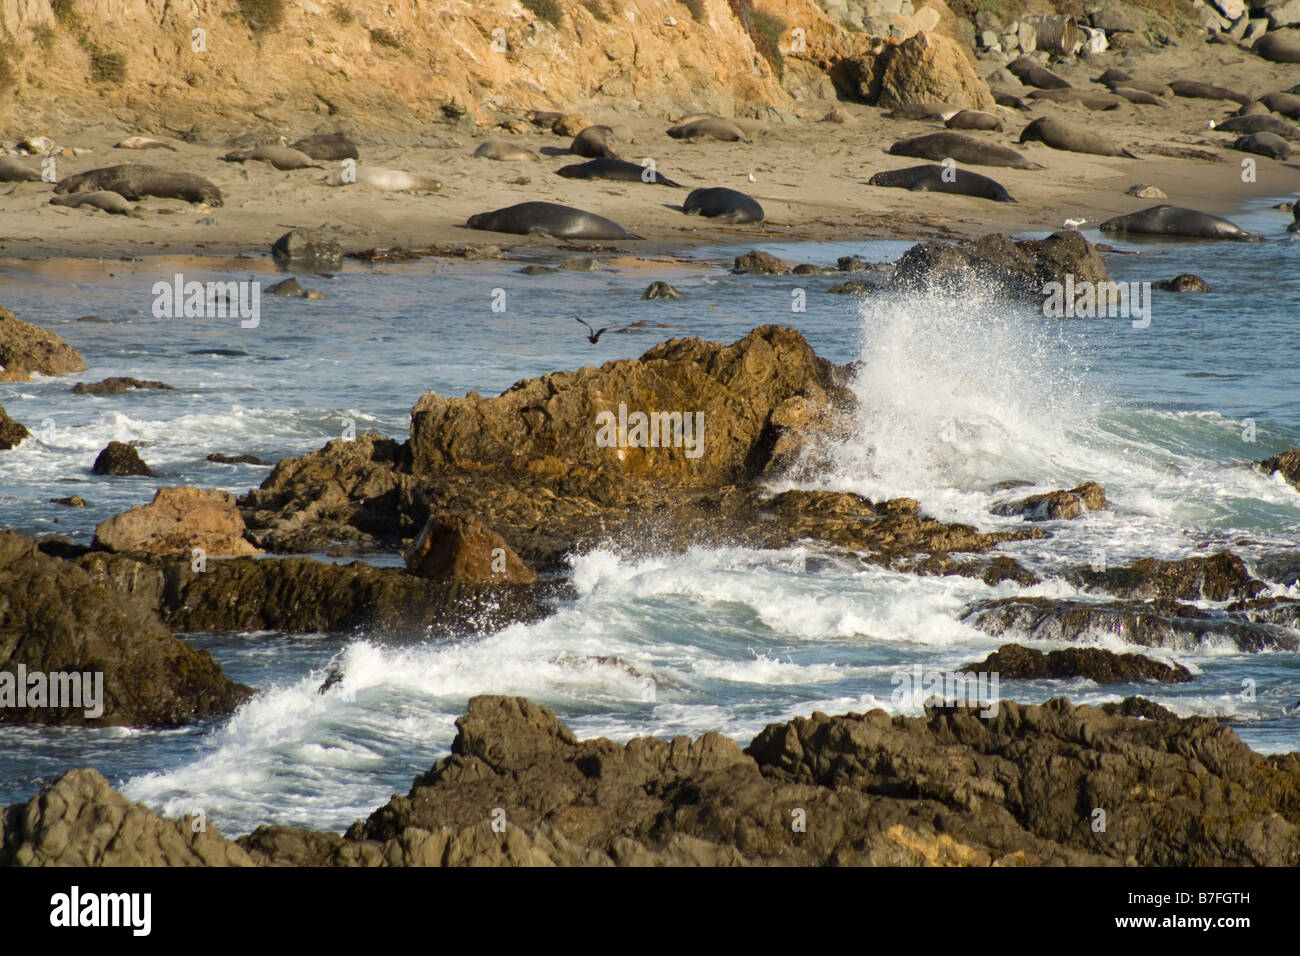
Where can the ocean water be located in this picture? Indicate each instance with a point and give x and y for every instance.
(955, 397)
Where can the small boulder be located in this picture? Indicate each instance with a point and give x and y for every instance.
(1014, 662)
(760, 263)
(1057, 505)
(76, 501)
(117, 385)
(307, 250)
(1146, 191)
(570, 124)
(1183, 283)
(660, 290)
(456, 545)
(119, 459)
(852, 287)
(290, 286)
(1287, 464)
(11, 432)
(26, 348)
(177, 520)
(221, 459)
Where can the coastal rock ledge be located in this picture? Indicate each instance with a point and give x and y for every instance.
(950, 788)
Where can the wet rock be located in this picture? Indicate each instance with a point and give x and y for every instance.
(853, 287)
(853, 264)
(25, 348)
(222, 459)
(457, 546)
(307, 250)
(288, 286)
(807, 269)
(1146, 191)
(660, 290)
(1183, 283)
(1286, 464)
(63, 621)
(1057, 505)
(11, 432)
(75, 501)
(80, 820)
(580, 264)
(119, 459)
(760, 263)
(1219, 577)
(117, 386)
(1014, 662)
(178, 520)
(536, 270)
(1139, 707)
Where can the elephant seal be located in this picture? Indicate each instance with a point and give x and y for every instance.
(1176, 221)
(973, 119)
(1059, 135)
(1187, 282)
(1278, 48)
(595, 142)
(549, 219)
(327, 146)
(135, 182)
(1031, 74)
(1089, 98)
(1134, 95)
(1155, 89)
(1205, 91)
(101, 199)
(931, 179)
(719, 202)
(143, 142)
(389, 180)
(508, 152)
(281, 157)
(1288, 104)
(1009, 100)
(924, 111)
(12, 171)
(714, 127)
(962, 149)
(1258, 123)
(619, 170)
(1111, 77)
(1265, 144)
(1253, 108)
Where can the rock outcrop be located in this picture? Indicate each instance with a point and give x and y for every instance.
(11, 432)
(119, 459)
(1013, 662)
(177, 521)
(1287, 464)
(457, 546)
(25, 348)
(1057, 505)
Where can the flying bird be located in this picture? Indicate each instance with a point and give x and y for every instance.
(593, 335)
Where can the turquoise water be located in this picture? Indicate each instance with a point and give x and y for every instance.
(954, 396)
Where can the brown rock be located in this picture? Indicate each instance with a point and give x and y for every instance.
(459, 546)
(119, 459)
(760, 263)
(25, 348)
(1057, 505)
(11, 432)
(570, 124)
(931, 67)
(1183, 283)
(176, 521)
(1013, 662)
(117, 386)
(1146, 191)
(1287, 464)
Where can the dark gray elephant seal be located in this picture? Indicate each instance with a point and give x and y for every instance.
(1134, 95)
(974, 119)
(1155, 89)
(135, 181)
(1032, 74)
(727, 204)
(12, 171)
(1112, 77)
(1176, 221)
(1253, 108)
(619, 170)
(1278, 48)
(719, 202)
(1089, 98)
(1205, 91)
(596, 142)
(100, 199)
(331, 146)
(1265, 144)
(281, 157)
(1009, 100)
(549, 219)
(1258, 123)
(962, 149)
(1059, 135)
(1288, 104)
(931, 179)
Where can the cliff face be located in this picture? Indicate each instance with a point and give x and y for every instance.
(399, 63)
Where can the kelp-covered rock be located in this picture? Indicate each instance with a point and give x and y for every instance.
(55, 618)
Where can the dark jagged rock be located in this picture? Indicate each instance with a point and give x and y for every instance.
(1165, 624)
(117, 386)
(1287, 464)
(11, 432)
(852, 287)
(660, 290)
(119, 459)
(1139, 707)
(1182, 283)
(57, 618)
(222, 459)
(1219, 577)
(74, 501)
(1057, 505)
(1013, 662)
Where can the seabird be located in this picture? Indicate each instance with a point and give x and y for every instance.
(592, 334)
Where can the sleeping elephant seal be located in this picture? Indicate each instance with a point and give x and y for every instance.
(962, 149)
(1205, 91)
(722, 203)
(281, 157)
(973, 119)
(1089, 98)
(1112, 77)
(100, 199)
(1031, 74)
(1155, 89)
(12, 171)
(1009, 100)
(143, 142)
(715, 127)
(1176, 221)
(619, 170)
(1265, 144)
(1059, 135)
(1278, 47)
(596, 142)
(549, 219)
(924, 111)
(1258, 123)
(931, 179)
(1134, 95)
(1288, 104)
(507, 152)
(333, 146)
(389, 180)
(134, 182)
